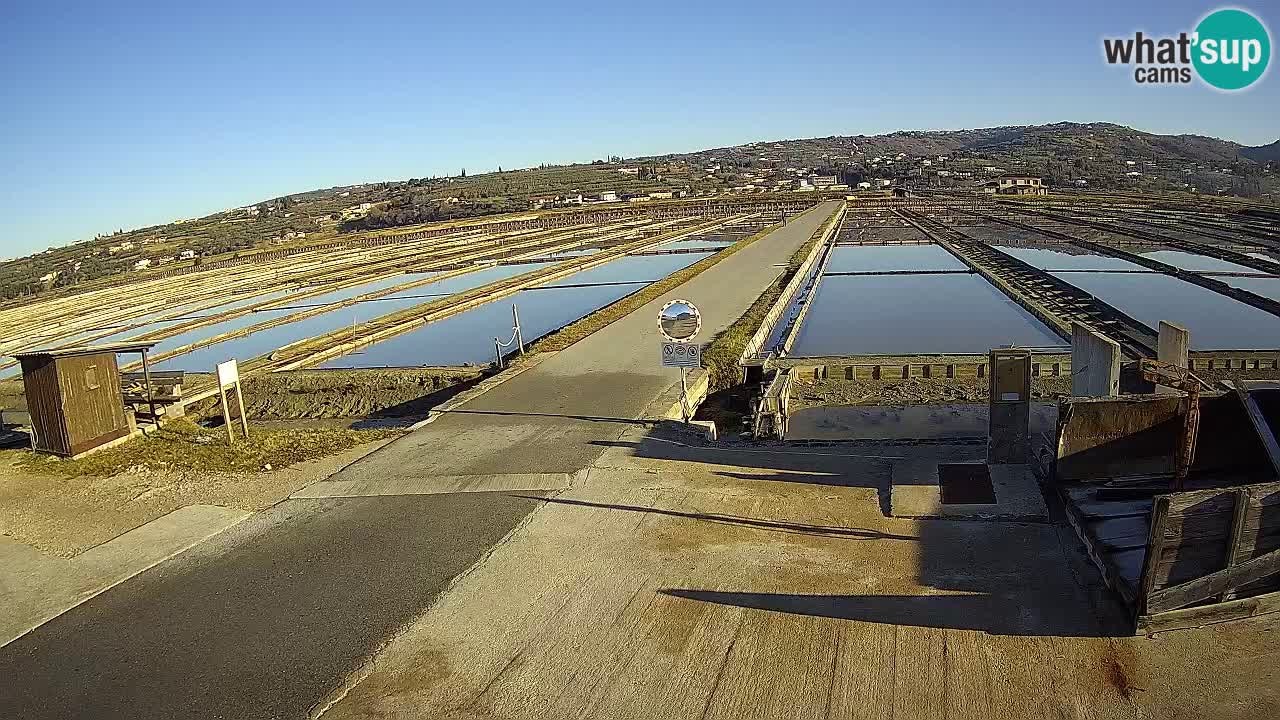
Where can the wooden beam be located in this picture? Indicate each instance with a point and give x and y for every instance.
(1235, 548)
(1209, 614)
(1179, 596)
(1261, 427)
(1155, 547)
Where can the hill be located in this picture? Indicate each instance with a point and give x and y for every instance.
(1093, 155)
(1263, 153)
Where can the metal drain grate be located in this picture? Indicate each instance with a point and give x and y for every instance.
(966, 484)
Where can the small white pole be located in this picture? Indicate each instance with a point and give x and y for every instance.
(515, 317)
(497, 352)
(244, 416)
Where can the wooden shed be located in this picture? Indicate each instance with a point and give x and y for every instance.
(74, 397)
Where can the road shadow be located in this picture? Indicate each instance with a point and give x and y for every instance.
(853, 467)
(998, 615)
(756, 523)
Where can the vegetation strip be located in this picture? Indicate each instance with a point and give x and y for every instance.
(183, 445)
(619, 309)
(720, 358)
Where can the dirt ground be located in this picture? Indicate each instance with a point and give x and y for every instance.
(65, 516)
(914, 391)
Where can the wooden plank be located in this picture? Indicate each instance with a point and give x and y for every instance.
(1234, 554)
(1084, 498)
(1155, 544)
(1209, 614)
(1179, 596)
(1260, 425)
(1122, 533)
(1201, 501)
(1128, 565)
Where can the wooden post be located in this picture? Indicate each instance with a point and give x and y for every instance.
(151, 400)
(226, 414)
(1155, 548)
(1173, 347)
(1234, 554)
(244, 418)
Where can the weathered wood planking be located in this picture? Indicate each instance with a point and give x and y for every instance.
(1209, 543)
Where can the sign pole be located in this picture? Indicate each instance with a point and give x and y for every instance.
(515, 317)
(684, 394)
(244, 417)
(226, 414)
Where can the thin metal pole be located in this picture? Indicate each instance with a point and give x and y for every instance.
(151, 401)
(515, 317)
(684, 394)
(497, 352)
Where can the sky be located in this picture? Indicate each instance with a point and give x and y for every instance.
(123, 114)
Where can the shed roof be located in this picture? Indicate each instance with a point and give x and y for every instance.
(86, 350)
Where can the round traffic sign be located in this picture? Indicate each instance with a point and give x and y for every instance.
(679, 320)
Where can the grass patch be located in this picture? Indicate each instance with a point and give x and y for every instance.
(720, 358)
(183, 445)
(609, 314)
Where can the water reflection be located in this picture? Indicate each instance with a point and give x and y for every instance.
(900, 314)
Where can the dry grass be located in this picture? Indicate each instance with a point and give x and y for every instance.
(183, 445)
(721, 356)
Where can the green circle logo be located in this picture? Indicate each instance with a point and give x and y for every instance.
(1232, 48)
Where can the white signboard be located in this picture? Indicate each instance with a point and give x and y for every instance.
(228, 373)
(681, 355)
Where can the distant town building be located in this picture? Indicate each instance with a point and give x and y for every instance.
(661, 195)
(187, 255)
(142, 264)
(1016, 185)
(629, 170)
(864, 185)
(824, 180)
(609, 196)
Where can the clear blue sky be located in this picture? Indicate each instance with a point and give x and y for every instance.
(122, 114)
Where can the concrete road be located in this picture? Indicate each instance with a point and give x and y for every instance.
(259, 622)
(557, 417)
(268, 618)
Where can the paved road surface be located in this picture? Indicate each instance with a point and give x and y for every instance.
(553, 418)
(265, 619)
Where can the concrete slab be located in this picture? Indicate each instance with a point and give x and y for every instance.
(436, 485)
(34, 588)
(916, 493)
(688, 588)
